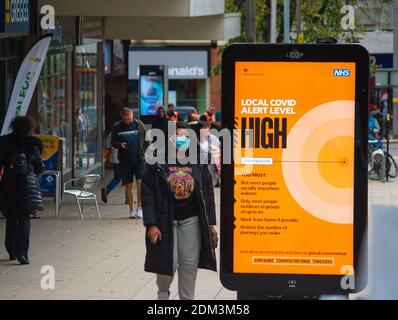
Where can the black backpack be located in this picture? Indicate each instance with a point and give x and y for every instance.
(18, 162)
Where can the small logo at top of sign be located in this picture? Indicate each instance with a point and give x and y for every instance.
(342, 72)
(295, 55)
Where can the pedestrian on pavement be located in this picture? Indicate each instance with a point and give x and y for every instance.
(172, 115)
(210, 149)
(117, 170)
(20, 158)
(193, 120)
(384, 103)
(161, 120)
(210, 114)
(179, 216)
(128, 136)
(374, 127)
(209, 124)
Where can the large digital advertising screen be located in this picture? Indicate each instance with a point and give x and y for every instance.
(294, 196)
(151, 94)
(294, 209)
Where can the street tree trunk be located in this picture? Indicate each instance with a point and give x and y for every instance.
(251, 20)
(298, 17)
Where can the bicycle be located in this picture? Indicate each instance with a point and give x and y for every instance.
(380, 162)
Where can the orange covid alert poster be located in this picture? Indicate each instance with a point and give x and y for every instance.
(294, 167)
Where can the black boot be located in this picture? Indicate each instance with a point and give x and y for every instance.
(23, 260)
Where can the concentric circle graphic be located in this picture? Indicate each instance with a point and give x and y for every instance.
(318, 165)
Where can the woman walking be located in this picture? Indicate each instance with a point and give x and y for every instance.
(161, 121)
(179, 215)
(20, 160)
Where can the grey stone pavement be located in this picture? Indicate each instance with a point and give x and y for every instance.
(93, 259)
(103, 259)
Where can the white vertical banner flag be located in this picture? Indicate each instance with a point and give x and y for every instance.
(26, 81)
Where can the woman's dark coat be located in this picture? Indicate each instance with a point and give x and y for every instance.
(157, 206)
(15, 187)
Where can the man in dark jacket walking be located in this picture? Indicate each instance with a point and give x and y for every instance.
(128, 136)
(179, 215)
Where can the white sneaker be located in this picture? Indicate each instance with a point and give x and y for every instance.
(139, 213)
(132, 214)
(163, 295)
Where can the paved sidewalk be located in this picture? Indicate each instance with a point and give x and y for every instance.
(93, 259)
(103, 259)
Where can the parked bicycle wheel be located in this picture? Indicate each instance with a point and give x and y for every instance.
(377, 172)
(392, 167)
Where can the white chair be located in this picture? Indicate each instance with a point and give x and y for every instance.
(87, 191)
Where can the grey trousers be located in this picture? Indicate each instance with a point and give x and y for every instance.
(186, 258)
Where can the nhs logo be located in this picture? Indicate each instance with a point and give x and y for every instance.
(342, 72)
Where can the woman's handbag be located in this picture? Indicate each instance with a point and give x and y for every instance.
(35, 199)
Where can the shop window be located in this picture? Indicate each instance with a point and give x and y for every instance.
(10, 55)
(52, 103)
(86, 113)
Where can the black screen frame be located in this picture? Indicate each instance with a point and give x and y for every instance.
(293, 283)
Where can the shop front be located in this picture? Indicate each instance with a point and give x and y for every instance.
(87, 108)
(70, 95)
(188, 71)
(89, 75)
(55, 90)
(14, 27)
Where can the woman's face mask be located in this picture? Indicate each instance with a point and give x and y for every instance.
(182, 143)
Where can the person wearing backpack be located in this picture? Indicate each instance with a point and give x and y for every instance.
(20, 161)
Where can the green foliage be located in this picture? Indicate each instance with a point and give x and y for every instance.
(320, 18)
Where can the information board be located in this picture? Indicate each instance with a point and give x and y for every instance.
(300, 118)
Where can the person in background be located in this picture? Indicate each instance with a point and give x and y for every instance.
(210, 114)
(172, 115)
(210, 149)
(161, 120)
(376, 113)
(179, 216)
(374, 127)
(83, 127)
(209, 124)
(193, 123)
(128, 136)
(20, 158)
(218, 120)
(193, 120)
(203, 121)
(117, 170)
(384, 103)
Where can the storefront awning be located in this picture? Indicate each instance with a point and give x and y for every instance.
(136, 8)
(219, 27)
(155, 19)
